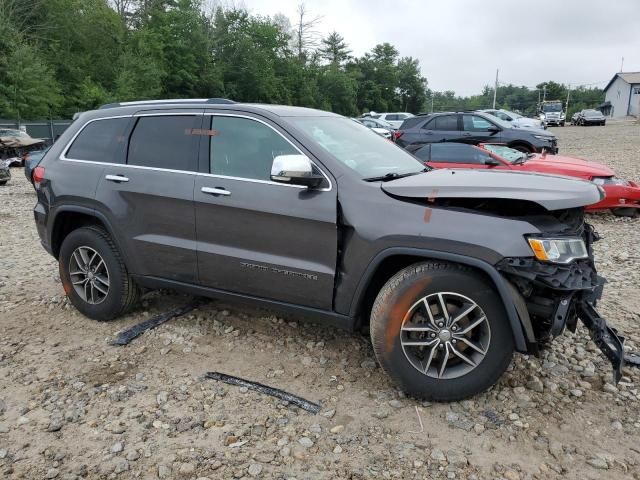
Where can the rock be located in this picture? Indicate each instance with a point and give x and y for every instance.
(117, 447)
(3, 406)
(511, 475)
(52, 473)
(164, 471)
(3, 453)
(306, 442)
(133, 455)
(395, 404)
(255, 469)
(456, 459)
(337, 429)
(162, 397)
(382, 414)
(555, 449)
(535, 384)
(337, 449)
(599, 463)
(121, 466)
(616, 425)
(438, 455)
(328, 413)
(369, 364)
(187, 469)
(576, 392)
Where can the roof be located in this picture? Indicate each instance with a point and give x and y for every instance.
(629, 77)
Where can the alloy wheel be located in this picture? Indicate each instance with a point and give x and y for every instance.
(89, 275)
(445, 335)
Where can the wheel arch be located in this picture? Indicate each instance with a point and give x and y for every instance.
(388, 262)
(71, 217)
(522, 143)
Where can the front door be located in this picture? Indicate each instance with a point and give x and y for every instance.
(476, 129)
(258, 237)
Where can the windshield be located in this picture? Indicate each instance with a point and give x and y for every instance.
(512, 114)
(591, 113)
(505, 152)
(357, 147)
(552, 107)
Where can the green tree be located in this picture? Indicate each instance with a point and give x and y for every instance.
(334, 49)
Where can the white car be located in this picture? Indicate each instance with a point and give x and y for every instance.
(515, 119)
(395, 119)
(381, 128)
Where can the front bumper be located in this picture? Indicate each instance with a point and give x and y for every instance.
(618, 196)
(556, 296)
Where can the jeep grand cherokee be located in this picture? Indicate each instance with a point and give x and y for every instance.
(306, 211)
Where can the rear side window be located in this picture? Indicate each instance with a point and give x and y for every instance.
(101, 141)
(245, 148)
(443, 122)
(164, 142)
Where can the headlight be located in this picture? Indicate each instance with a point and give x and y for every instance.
(558, 250)
(562, 117)
(609, 181)
(544, 137)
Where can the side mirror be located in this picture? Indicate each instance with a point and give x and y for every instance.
(493, 129)
(295, 170)
(492, 162)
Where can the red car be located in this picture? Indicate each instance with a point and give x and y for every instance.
(622, 197)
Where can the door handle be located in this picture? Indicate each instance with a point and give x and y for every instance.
(117, 178)
(215, 191)
(466, 134)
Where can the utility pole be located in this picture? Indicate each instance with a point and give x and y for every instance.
(621, 64)
(495, 89)
(566, 107)
(538, 99)
(544, 93)
(431, 102)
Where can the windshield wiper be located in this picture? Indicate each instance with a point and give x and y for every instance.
(393, 176)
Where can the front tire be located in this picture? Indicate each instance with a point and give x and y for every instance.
(441, 332)
(523, 148)
(94, 275)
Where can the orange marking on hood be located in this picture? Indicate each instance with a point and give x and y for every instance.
(427, 214)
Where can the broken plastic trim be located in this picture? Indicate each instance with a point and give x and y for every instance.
(605, 337)
(258, 387)
(126, 336)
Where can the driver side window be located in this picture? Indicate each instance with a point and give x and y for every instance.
(474, 123)
(457, 153)
(244, 148)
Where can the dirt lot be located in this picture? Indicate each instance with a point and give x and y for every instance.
(73, 406)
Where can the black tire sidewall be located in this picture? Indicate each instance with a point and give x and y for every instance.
(447, 278)
(113, 303)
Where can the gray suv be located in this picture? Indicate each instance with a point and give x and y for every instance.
(473, 128)
(305, 211)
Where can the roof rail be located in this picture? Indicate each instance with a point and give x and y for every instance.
(169, 101)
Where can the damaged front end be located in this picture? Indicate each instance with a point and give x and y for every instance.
(558, 294)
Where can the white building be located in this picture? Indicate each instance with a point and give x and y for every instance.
(622, 95)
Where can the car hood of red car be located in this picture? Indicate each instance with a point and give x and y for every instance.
(571, 166)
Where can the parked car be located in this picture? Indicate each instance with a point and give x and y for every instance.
(515, 119)
(622, 197)
(377, 127)
(306, 211)
(473, 128)
(5, 172)
(31, 161)
(395, 118)
(14, 144)
(591, 117)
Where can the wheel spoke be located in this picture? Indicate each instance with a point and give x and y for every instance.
(473, 325)
(420, 343)
(93, 300)
(79, 282)
(103, 280)
(443, 366)
(443, 307)
(432, 352)
(100, 289)
(78, 259)
(86, 293)
(79, 272)
(432, 320)
(465, 312)
(93, 257)
(470, 344)
(462, 356)
(84, 256)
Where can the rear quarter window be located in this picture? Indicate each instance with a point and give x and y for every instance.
(101, 141)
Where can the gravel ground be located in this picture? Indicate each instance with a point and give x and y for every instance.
(73, 406)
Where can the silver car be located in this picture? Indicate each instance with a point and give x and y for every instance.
(515, 119)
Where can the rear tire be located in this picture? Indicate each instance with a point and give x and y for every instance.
(94, 275)
(625, 212)
(430, 371)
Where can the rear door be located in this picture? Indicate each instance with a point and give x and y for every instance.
(149, 200)
(455, 155)
(443, 128)
(258, 237)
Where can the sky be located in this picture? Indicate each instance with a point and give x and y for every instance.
(461, 43)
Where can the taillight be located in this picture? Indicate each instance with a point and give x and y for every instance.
(37, 176)
(397, 134)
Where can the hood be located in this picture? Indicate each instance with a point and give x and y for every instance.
(549, 191)
(560, 165)
(533, 131)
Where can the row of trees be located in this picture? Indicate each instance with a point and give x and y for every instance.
(63, 56)
(521, 99)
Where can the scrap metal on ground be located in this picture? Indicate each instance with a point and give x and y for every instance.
(258, 387)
